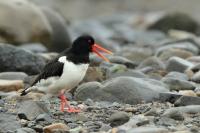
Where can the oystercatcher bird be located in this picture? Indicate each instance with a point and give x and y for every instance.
(67, 70)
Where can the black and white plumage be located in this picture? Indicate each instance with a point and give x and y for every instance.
(67, 70)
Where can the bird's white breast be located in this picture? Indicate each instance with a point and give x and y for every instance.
(72, 75)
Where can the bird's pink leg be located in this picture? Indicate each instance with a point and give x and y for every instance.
(64, 103)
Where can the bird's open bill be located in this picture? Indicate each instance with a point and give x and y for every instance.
(96, 48)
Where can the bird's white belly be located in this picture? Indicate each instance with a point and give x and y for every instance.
(71, 77)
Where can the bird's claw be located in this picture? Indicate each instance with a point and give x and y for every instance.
(73, 110)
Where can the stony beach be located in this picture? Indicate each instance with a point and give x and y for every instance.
(150, 85)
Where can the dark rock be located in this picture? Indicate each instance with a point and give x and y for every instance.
(29, 110)
(118, 118)
(13, 75)
(169, 97)
(187, 100)
(34, 47)
(38, 128)
(121, 89)
(25, 130)
(60, 39)
(179, 21)
(15, 59)
(178, 64)
(8, 123)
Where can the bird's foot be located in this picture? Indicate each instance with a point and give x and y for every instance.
(73, 110)
(65, 103)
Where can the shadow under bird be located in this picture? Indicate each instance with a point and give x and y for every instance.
(67, 70)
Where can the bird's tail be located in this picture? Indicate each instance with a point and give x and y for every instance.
(27, 90)
(23, 93)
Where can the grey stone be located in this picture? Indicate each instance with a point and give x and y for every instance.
(122, 60)
(166, 121)
(187, 100)
(174, 114)
(25, 130)
(13, 75)
(147, 130)
(8, 122)
(177, 75)
(136, 35)
(178, 84)
(129, 73)
(118, 118)
(16, 59)
(168, 53)
(153, 62)
(136, 54)
(31, 109)
(178, 64)
(190, 109)
(44, 117)
(186, 44)
(121, 89)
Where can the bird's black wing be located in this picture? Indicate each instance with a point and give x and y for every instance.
(53, 68)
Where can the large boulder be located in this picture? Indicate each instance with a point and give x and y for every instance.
(60, 39)
(21, 22)
(179, 21)
(122, 89)
(16, 59)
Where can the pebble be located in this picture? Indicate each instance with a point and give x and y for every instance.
(56, 127)
(29, 110)
(177, 64)
(188, 93)
(25, 130)
(11, 85)
(118, 118)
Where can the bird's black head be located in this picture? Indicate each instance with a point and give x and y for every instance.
(81, 48)
(83, 45)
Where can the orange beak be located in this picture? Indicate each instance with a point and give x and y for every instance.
(95, 49)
